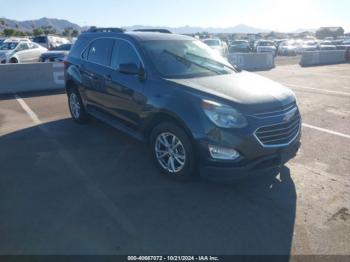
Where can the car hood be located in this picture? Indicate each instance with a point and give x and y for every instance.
(249, 92)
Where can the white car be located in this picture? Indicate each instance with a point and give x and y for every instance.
(20, 51)
(288, 48)
(217, 45)
(327, 46)
(265, 46)
(309, 46)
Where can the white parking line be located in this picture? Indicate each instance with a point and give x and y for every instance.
(318, 89)
(326, 131)
(312, 73)
(26, 108)
(100, 196)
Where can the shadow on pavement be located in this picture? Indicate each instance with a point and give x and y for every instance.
(70, 189)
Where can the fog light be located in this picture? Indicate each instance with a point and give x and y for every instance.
(223, 153)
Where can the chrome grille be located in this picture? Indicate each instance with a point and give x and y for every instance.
(279, 134)
(284, 110)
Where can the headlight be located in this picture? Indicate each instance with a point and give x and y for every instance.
(223, 116)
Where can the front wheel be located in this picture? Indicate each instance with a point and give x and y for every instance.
(76, 107)
(173, 152)
(13, 61)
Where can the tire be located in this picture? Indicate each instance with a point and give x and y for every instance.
(176, 162)
(13, 61)
(76, 107)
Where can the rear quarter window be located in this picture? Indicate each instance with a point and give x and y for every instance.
(80, 45)
(100, 51)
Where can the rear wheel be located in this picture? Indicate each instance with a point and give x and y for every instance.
(173, 152)
(76, 107)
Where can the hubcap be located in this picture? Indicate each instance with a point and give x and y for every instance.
(170, 152)
(74, 105)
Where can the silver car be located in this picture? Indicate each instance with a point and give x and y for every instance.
(217, 45)
(20, 51)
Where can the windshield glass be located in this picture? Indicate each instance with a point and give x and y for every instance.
(266, 44)
(185, 59)
(212, 42)
(8, 46)
(239, 42)
(311, 43)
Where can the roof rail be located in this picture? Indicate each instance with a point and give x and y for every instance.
(154, 30)
(95, 29)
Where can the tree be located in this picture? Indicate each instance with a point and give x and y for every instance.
(9, 32)
(37, 31)
(2, 22)
(334, 32)
(75, 33)
(48, 30)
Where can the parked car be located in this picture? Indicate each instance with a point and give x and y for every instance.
(57, 54)
(50, 41)
(216, 44)
(239, 46)
(326, 45)
(192, 106)
(20, 51)
(309, 46)
(266, 46)
(288, 48)
(2, 40)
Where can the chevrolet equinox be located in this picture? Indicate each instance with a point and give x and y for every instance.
(197, 111)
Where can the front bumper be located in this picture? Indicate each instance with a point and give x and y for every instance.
(255, 155)
(246, 169)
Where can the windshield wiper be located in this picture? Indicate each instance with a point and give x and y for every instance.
(188, 61)
(215, 62)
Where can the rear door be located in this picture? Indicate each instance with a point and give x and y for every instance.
(34, 53)
(95, 71)
(23, 52)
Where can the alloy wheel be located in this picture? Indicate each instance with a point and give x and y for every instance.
(74, 105)
(170, 152)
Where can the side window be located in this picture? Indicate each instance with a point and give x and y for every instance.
(124, 53)
(32, 46)
(100, 51)
(22, 47)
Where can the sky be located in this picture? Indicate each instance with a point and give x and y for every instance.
(279, 15)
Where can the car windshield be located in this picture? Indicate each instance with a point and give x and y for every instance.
(266, 44)
(212, 42)
(8, 45)
(311, 43)
(239, 42)
(186, 59)
(66, 47)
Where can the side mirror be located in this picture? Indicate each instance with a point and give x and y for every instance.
(131, 69)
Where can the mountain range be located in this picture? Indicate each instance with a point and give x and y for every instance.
(60, 25)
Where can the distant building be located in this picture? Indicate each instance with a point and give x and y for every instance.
(334, 32)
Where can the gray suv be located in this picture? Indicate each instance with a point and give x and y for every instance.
(198, 113)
